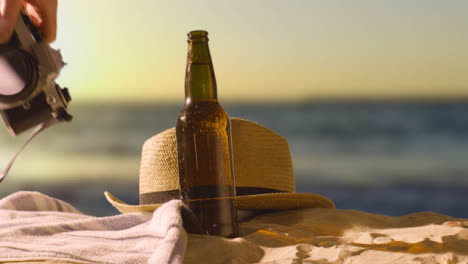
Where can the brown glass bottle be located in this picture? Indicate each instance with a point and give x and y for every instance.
(204, 148)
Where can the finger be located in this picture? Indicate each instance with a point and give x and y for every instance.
(44, 15)
(9, 11)
(33, 14)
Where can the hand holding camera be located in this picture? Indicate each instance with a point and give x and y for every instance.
(28, 66)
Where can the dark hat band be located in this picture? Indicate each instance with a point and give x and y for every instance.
(165, 196)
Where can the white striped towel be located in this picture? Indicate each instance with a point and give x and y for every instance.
(36, 227)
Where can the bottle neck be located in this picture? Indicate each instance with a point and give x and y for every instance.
(200, 81)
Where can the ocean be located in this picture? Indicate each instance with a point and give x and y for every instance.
(390, 158)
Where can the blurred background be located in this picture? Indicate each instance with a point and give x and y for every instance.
(371, 95)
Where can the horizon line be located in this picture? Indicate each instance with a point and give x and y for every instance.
(311, 100)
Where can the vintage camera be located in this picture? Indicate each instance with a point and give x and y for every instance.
(28, 67)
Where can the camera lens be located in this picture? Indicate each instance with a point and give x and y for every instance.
(10, 83)
(18, 74)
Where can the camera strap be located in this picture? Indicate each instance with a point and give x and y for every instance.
(36, 131)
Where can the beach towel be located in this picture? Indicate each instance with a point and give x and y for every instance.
(36, 227)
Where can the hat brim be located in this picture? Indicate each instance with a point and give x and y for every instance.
(269, 201)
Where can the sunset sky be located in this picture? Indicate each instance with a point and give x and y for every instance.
(266, 50)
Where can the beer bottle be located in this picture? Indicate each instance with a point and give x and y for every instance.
(204, 148)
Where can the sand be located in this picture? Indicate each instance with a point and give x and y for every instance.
(337, 236)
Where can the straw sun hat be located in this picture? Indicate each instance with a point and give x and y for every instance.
(263, 172)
